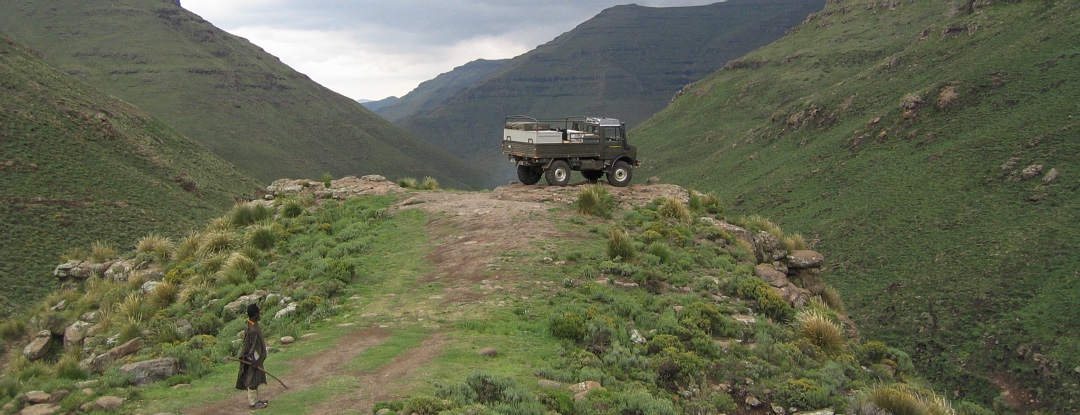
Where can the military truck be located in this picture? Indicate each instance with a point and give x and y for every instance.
(553, 148)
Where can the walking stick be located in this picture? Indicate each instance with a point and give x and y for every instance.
(259, 369)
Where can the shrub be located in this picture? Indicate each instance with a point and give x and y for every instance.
(814, 326)
(163, 294)
(568, 326)
(292, 208)
(660, 342)
(596, 201)
(262, 237)
(429, 183)
(262, 212)
(675, 367)
(662, 251)
(900, 399)
(769, 302)
(425, 405)
(156, 246)
(101, 251)
(241, 215)
(674, 209)
(802, 394)
(214, 242)
(620, 245)
(793, 242)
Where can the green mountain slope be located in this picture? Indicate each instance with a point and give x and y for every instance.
(78, 166)
(430, 93)
(239, 101)
(626, 62)
(933, 154)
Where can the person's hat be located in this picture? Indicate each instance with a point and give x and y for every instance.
(253, 310)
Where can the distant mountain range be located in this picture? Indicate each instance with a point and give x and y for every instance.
(237, 100)
(627, 63)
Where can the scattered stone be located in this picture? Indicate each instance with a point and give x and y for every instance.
(546, 383)
(120, 270)
(768, 273)
(89, 316)
(1050, 176)
(1030, 171)
(678, 308)
(805, 258)
(747, 320)
(74, 334)
(241, 303)
(287, 311)
(59, 395)
(488, 352)
(768, 247)
(585, 386)
(637, 338)
(39, 347)
(753, 401)
(98, 363)
(149, 287)
(309, 336)
(150, 371)
(68, 270)
(181, 386)
(108, 403)
(826, 411)
(40, 409)
(59, 306)
(778, 410)
(36, 397)
(288, 340)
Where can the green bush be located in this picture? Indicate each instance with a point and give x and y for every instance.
(804, 394)
(620, 245)
(769, 302)
(596, 201)
(241, 215)
(425, 405)
(567, 325)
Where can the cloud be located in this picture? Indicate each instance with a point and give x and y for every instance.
(376, 48)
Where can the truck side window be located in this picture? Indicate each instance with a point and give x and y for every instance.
(612, 133)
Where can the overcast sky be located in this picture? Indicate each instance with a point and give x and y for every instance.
(372, 49)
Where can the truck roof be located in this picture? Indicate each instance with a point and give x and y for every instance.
(603, 122)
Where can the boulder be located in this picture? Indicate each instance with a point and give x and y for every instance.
(98, 363)
(39, 347)
(108, 403)
(805, 258)
(67, 270)
(753, 401)
(40, 409)
(36, 397)
(287, 311)
(771, 275)
(74, 334)
(59, 395)
(287, 340)
(637, 338)
(794, 295)
(120, 270)
(241, 303)
(768, 247)
(150, 371)
(149, 287)
(810, 279)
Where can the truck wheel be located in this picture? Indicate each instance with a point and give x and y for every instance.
(592, 175)
(620, 174)
(528, 175)
(558, 174)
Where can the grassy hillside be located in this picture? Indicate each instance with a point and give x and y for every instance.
(626, 62)
(932, 152)
(237, 100)
(400, 292)
(78, 166)
(431, 93)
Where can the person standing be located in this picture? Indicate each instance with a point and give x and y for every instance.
(252, 357)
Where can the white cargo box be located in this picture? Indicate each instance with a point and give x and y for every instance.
(535, 137)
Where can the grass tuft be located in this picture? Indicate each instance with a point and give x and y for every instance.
(620, 245)
(596, 201)
(101, 251)
(815, 326)
(674, 209)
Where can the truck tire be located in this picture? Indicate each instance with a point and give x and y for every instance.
(620, 174)
(528, 175)
(558, 174)
(592, 175)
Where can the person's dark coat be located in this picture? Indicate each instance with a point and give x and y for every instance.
(254, 352)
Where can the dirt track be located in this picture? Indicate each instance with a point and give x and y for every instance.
(468, 232)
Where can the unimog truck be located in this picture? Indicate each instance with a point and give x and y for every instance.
(553, 148)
